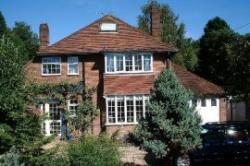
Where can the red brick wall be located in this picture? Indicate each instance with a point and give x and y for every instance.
(33, 72)
(93, 68)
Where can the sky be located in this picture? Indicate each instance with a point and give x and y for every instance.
(67, 16)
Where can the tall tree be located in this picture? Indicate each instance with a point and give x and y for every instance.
(3, 26)
(30, 40)
(214, 60)
(17, 127)
(240, 70)
(171, 33)
(171, 127)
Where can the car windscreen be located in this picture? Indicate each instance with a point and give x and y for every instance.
(213, 137)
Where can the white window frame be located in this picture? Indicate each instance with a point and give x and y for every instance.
(74, 63)
(144, 98)
(48, 121)
(108, 27)
(124, 63)
(53, 74)
(73, 114)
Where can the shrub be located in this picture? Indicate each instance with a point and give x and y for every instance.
(93, 151)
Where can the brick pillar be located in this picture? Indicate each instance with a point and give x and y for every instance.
(223, 110)
(44, 35)
(156, 22)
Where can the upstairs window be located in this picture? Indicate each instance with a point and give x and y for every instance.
(73, 68)
(51, 66)
(108, 27)
(128, 63)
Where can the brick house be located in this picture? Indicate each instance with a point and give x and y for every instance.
(121, 62)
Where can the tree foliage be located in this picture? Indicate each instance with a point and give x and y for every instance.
(30, 40)
(171, 126)
(3, 26)
(22, 127)
(171, 33)
(214, 61)
(240, 70)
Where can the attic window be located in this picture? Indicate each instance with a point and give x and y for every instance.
(108, 27)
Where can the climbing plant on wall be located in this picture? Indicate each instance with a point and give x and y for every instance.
(80, 120)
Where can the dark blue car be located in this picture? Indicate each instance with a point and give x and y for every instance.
(226, 143)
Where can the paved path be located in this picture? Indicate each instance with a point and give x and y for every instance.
(133, 155)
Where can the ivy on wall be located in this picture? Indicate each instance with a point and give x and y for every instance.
(86, 112)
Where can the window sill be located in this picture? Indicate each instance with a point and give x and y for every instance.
(76, 74)
(51, 75)
(121, 124)
(130, 73)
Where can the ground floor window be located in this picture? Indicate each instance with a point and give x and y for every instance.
(55, 128)
(126, 109)
(54, 121)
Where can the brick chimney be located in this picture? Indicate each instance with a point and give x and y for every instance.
(156, 22)
(44, 35)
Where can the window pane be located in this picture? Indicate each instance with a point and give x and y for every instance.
(110, 63)
(73, 105)
(55, 128)
(147, 62)
(119, 63)
(129, 62)
(73, 65)
(203, 102)
(111, 110)
(120, 110)
(194, 102)
(138, 62)
(213, 102)
(139, 108)
(146, 104)
(51, 65)
(73, 69)
(54, 111)
(130, 109)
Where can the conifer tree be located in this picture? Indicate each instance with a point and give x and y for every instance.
(171, 126)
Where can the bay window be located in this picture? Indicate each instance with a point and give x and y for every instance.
(126, 109)
(128, 63)
(51, 65)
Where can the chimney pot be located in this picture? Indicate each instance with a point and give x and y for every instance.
(44, 35)
(156, 22)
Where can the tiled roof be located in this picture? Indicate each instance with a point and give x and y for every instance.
(197, 85)
(91, 40)
(127, 85)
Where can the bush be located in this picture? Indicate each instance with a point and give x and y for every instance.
(91, 151)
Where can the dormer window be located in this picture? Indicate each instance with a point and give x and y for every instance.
(108, 27)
